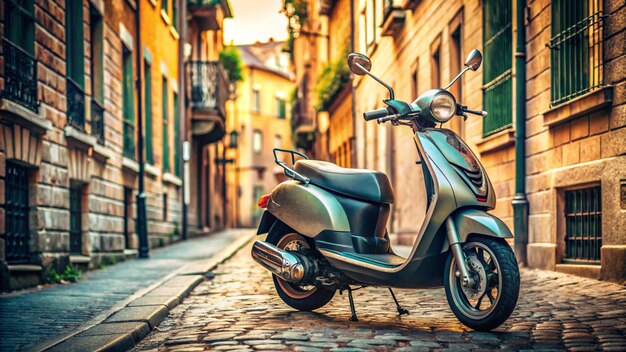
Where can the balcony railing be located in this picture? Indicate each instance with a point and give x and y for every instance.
(20, 76)
(97, 121)
(208, 14)
(75, 105)
(209, 86)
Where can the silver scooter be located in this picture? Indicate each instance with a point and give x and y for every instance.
(326, 227)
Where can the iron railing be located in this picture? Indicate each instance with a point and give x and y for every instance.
(75, 105)
(583, 225)
(576, 48)
(209, 86)
(97, 121)
(498, 53)
(76, 222)
(16, 209)
(20, 76)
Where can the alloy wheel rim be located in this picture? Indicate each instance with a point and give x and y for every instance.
(479, 301)
(294, 242)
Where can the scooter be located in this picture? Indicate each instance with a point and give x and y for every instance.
(326, 226)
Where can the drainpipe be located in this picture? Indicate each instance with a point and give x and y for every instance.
(142, 221)
(354, 121)
(182, 96)
(520, 202)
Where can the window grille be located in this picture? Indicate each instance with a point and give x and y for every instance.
(583, 225)
(497, 68)
(576, 48)
(17, 213)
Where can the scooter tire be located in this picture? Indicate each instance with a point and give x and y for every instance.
(510, 285)
(315, 300)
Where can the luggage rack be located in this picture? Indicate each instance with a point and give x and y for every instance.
(290, 172)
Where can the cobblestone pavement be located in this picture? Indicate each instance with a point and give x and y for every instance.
(239, 311)
(30, 317)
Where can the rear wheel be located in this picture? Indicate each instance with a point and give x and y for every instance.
(300, 297)
(491, 300)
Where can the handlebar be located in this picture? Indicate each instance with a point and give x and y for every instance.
(377, 114)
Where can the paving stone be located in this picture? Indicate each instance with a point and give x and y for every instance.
(240, 303)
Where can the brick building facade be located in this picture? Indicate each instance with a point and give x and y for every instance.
(68, 132)
(575, 113)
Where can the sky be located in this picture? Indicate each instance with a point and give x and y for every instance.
(255, 20)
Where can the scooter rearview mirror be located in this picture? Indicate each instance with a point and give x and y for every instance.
(359, 64)
(474, 59)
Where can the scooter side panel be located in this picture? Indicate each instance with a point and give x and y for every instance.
(307, 209)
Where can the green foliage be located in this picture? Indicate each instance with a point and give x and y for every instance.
(330, 82)
(70, 274)
(230, 58)
(297, 14)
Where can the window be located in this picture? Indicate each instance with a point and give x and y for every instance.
(147, 88)
(256, 100)
(576, 50)
(583, 225)
(166, 139)
(17, 232)
(414, 81)
(165, 6)
(281, 108)
(278, 141)
(96, 54)
(20, 67)
(370, 22)
(128, 206)
(74, 49)
(257, 141)
(175, 14)
(456, 65)
(498, 61)
(76, 223)
(97, 74)
(176, 137)
(435, 63)
(128, 103)
(75, 65)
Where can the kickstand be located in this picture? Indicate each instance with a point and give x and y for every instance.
(401, 310)
(353, 316)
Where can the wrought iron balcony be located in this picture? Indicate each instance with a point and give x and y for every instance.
(208, 14)
(393, 18)
(20, 76)
(209, 86)
(209, 91)
(75, 105)
(97, 121)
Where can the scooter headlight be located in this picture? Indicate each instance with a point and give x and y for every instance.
(443, 107)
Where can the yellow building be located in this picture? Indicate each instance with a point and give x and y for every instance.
(261, 120)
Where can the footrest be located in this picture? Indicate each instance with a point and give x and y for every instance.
(387, 260)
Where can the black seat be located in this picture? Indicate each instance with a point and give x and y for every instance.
(368, 185)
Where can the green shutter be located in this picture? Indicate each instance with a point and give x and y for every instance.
(497, 66)
(20, 24)
(280, 104)
(164, 6)
(176, 137)
(74, 42)
(128, 101)
(166, 149)
(175, 14)
(148, 109)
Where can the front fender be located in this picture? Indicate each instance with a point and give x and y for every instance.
(477, 222)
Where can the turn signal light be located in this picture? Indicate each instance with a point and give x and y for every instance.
(263, 201)
(481, 199)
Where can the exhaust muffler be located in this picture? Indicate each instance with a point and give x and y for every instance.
(290, 266)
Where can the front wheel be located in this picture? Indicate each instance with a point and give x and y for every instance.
(492, 298)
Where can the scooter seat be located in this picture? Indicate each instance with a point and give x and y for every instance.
(368, 185)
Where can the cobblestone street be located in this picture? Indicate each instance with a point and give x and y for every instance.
(239, 310)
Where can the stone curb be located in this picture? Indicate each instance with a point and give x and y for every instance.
(125, 327)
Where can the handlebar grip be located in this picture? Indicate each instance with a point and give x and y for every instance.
(376, 114)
